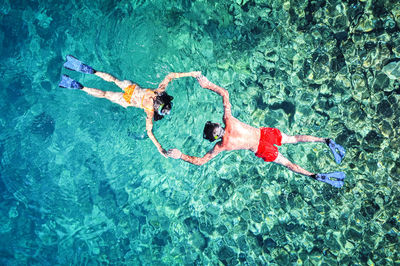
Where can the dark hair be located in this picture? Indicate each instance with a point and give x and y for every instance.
(208, 132)
(162, 99)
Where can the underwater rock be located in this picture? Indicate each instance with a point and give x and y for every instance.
(226, 253)
(43, 125)
(389, 24)
(384, 109)
(357, 114)
(359, 84)
(256, 215)
(358, 81)
(161, 239)
(386, 128)
(368, 209)
(374, 53)
(366, 23)
(224, 190)
(349, 50)
(242, 257)
(340, 24)
(192, 223)
(271, 55)
(381, 83)
(241, 226)
(282, 258)
(373, 139)
(392, 70)
(242, 243)
(338, 63)
(222, 230)
(341, 36)
(16, 33)
(15, 88)
(229, 241)
(53, 72)
(332, 243)
(395, 170)
(396, 44)
(269, 243)
(206, 227)
(245, 214)
(46, 85)
(198, 240)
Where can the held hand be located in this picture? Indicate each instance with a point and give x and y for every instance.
(166, 80)
(162, 85)
(174, 153)
(163, 152)
(203, 81)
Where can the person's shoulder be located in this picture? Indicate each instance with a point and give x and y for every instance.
(221, 145)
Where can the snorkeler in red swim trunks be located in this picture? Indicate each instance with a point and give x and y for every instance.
(240, 136)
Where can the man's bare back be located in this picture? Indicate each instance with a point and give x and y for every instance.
(239, 136)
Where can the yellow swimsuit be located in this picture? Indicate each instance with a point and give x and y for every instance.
(128, 95)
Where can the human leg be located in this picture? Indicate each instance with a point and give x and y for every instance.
(74, 64)
(108, 77)
(300, 138)
(280, 159)
(337, 150)
(69, 83)
(115, 97)
(335, 179)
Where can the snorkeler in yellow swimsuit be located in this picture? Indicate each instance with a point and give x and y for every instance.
(156, 103)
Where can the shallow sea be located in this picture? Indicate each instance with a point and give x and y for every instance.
(81, 185)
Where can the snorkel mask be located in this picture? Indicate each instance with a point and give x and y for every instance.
(220, 133)
(160, 110)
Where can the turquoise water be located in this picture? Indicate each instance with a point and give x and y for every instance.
(79, 186)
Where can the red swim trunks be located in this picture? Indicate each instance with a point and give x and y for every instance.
(266, 149)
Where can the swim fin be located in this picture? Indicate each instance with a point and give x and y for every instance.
(337, 150)
(69, 83)
(334, 179)
(74, 64)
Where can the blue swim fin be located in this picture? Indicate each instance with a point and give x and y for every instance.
(74, 64)
(338, 151)
(69, 83)
(334, 179)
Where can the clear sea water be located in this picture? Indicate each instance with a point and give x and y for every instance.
(80, 185)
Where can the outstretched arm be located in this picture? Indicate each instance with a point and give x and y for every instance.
(205, 83)
(149, 129)
(177, 154)
(163, 85)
